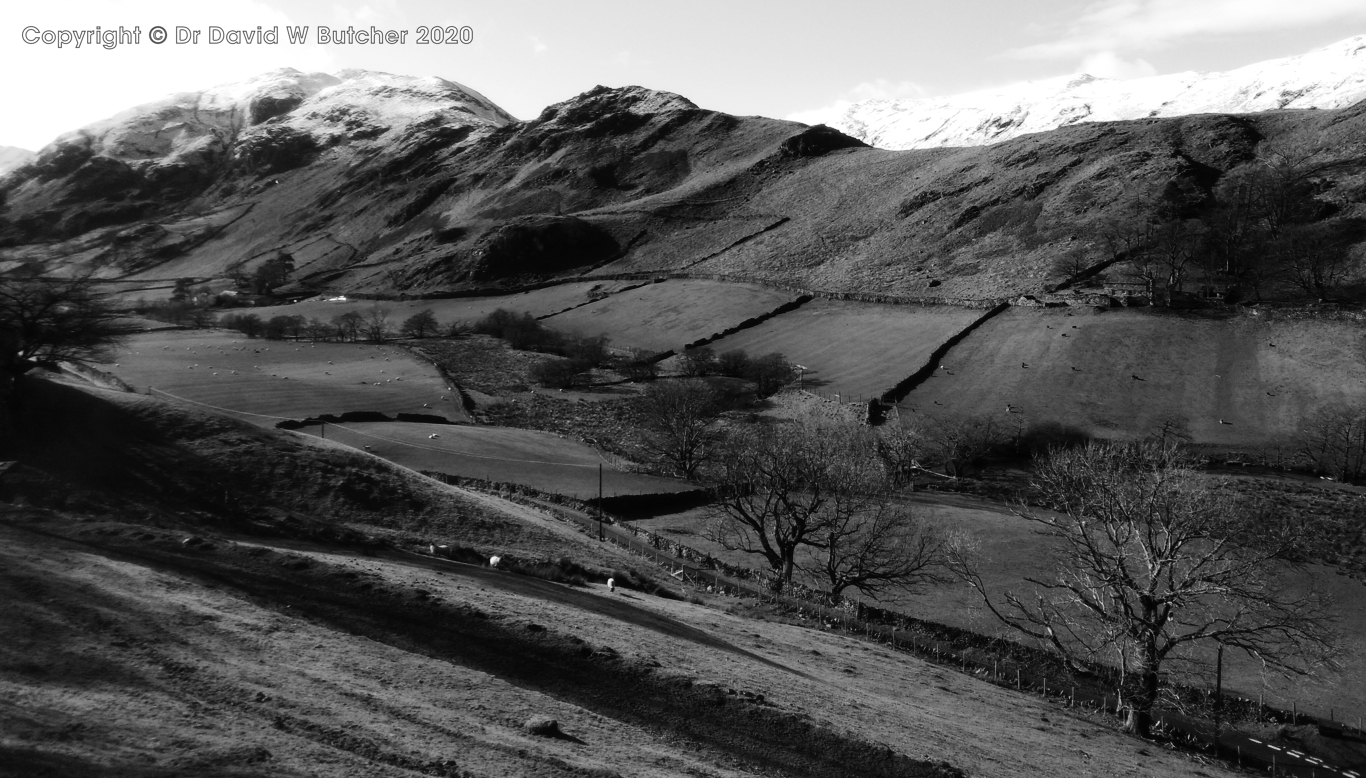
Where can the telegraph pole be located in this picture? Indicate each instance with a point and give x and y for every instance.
(600, 535)
(1218, 696)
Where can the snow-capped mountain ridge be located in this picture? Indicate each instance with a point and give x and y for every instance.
(12, 157)
(355, 104)
(1331, 77)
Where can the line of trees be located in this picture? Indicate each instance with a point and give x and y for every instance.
(770, 372)
(373, 324)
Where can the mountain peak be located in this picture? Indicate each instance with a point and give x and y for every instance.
(1330, 77)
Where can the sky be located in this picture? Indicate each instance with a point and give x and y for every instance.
(781, 58)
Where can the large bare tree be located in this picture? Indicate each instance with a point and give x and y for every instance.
(1151, 563)
(679, 421)
(877, 545)
(817, 497)
(45, 322)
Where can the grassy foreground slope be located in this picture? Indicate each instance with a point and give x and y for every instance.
(126, 651)
(1236, 382)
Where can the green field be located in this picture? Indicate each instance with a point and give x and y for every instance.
(854, 349)
(1236, 382)
(537, 302)
(669, 314)
(541, 460)
(269, 380)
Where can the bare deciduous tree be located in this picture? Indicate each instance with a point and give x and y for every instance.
(816, 497)
(45, 322)
(1333, 440)
(879, 546)
(376, 324)
(697, 361)
(422, 324)
(959, 445)
(680, 423)
(1151, 563)
(773, 483)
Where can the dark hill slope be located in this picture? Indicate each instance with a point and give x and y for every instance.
(631, 179)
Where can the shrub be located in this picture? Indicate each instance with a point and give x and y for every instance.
(248, 324)
(556, 373)
(733, 363)
(769, 373)
(281, 327)
(420, 325)
(521, 331)
(639, 366)
(564, 570)
(698, 362)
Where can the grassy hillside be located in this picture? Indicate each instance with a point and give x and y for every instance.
(541, 460)
(669, 315)
(634, 180)
(1239, 382)
(259, 648)
(854, 349)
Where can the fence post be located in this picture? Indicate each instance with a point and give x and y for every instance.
(1017, 679)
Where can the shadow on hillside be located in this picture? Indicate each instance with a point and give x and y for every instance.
(97, 444)
(35, 762)
(563, 666)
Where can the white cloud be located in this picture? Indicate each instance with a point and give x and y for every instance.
(49, 90)
(1108, 64)
(1146, 25)
(388, 14)
(537, 45)
(878, 89)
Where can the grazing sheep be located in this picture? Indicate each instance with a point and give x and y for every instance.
(494, 561)
(611, 584)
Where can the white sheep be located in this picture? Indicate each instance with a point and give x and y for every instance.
(611, 584)
(494, 560)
